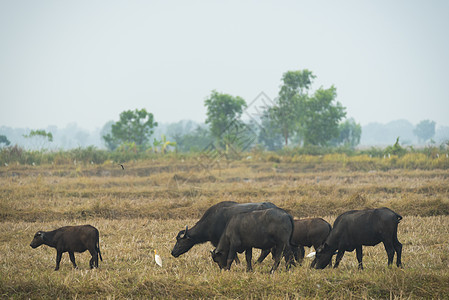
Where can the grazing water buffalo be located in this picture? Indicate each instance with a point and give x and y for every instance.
(264, 229)
(71, 239)
(357, 228)
(306, 233)
(212, 224)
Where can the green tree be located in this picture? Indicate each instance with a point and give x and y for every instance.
(425, 130)
(40, 137)
(287, 113)
(133, 127)
(4, 140)
(350, 133)
(270, 135)
(223, 115)
(106, 134)
(322, 114)
(40, 133)
(196, 140)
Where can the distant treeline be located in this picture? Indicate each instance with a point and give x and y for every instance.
(299, 118)
(74, 137)
(384, 134)
(310, 158)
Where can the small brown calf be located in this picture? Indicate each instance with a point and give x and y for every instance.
(71, 239)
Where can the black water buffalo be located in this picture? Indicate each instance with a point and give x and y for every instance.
(263, 229)
(71, 239)
(306, 233)
(357, 228)
(212, 224)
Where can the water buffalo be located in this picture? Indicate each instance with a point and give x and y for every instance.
(71, 239)
(306, 233)
(212, 224)
(357, 228)
(263, 229)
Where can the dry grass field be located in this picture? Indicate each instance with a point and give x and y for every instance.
(143, 207)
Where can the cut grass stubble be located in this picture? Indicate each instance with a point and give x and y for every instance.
(137, 214)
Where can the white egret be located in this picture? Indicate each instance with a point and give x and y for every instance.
(311, 254)
(157, 258)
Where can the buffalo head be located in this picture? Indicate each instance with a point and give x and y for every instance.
(220, 258)
(183, 243)
(39, 239)
(323, 256)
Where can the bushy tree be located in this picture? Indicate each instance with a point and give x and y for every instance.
(322, 117)
(196, 140)
(4, 140)
(40, 137)
(106, 134)
(306, 119)
(425, 130)
(223, 116)
(40, 133)
(350, 133)
(286, 114)
(133, 127)
(270, 135)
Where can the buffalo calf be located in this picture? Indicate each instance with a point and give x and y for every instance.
(306, 233)
(357, 228)
(262, 229)
(71, 239)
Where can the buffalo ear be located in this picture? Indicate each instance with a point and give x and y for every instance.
(182, 235)
(215, 253)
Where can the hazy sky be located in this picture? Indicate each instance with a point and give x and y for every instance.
(87, 61)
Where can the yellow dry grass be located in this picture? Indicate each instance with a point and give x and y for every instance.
(143, 207)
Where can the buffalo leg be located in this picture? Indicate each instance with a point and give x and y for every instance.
(295, 252)
(58, 259)
(339, 257)
(277, 258)
(302, 253)
(93, 263)
(231, 256)
(359, 255)
(390, 252)
(249, 257)
(398, 248)
(237, 260)
(263, 255)
(289, 258)
(72, 259)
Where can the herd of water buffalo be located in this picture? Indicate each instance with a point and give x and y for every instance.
(234, 228)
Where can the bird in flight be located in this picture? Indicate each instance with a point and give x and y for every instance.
(123, 168)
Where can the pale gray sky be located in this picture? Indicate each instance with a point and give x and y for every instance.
(87, 61)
